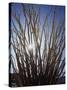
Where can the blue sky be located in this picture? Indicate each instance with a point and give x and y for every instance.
(44, 9)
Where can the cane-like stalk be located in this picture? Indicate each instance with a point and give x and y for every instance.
(38, 51)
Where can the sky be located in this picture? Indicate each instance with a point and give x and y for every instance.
(44, 9)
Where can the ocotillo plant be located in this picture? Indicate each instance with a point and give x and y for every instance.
(37, 47)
